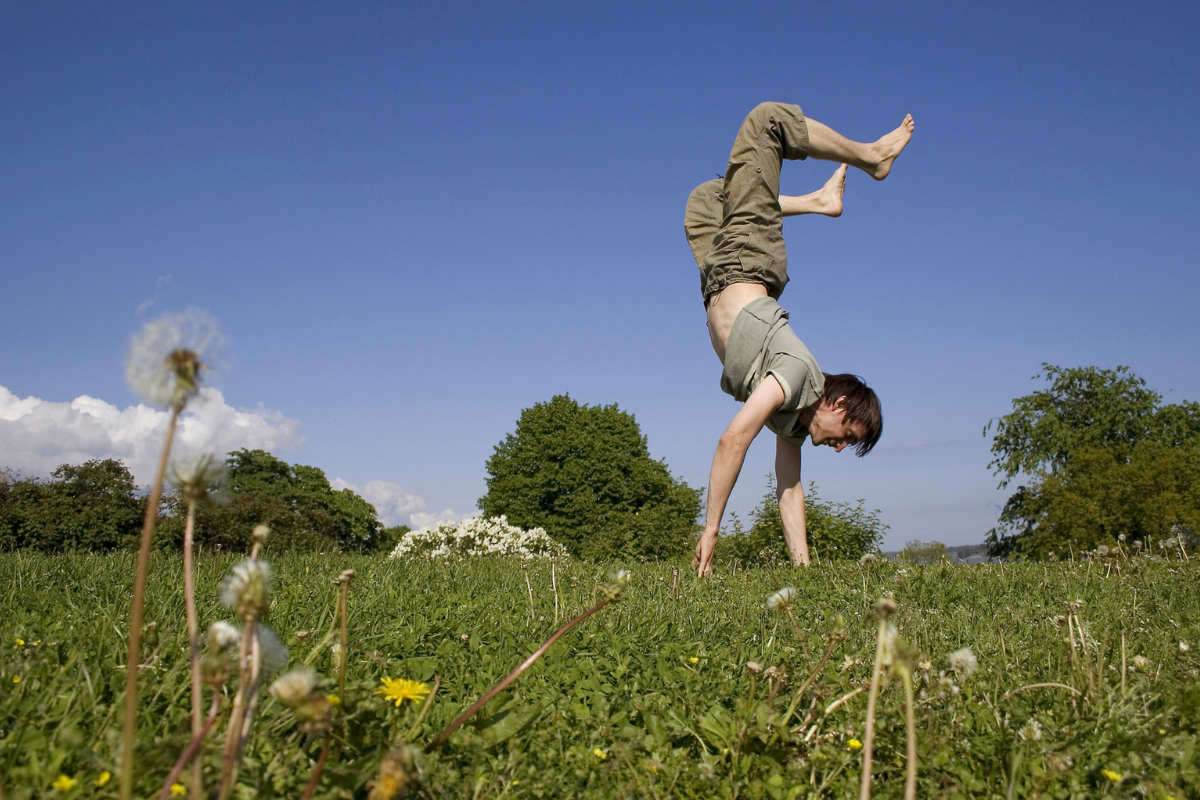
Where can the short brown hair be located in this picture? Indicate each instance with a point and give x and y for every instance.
(861, 404)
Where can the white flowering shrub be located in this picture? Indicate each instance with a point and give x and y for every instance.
(478, 536)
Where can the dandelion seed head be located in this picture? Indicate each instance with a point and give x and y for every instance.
(782, 600)
(963, 662)
(294, 687)
(1031, 731)
(885, 607)
(753, 667)
(1141, 663)
(1102, 550)
(1184, 647)
(197, 476)
(273, 652)
(222, 636)
(776, 675)
(247, 589)
(166, 358)
(1120, 537)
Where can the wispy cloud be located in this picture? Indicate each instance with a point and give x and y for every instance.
(161, 284)
(395, 505)
(36, 436)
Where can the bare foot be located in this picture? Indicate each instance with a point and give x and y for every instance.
(828, 199)
(888, 148)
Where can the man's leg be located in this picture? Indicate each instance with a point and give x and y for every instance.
(875, 159)
(826, 201)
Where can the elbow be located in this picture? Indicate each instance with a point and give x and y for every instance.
(730, 441)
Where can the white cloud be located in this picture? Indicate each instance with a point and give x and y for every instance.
(397, 506)
(36, 436)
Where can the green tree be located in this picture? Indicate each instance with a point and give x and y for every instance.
(297, 502)
(925, 552)
(92, 506)
(585, 475)
(1102, 457)
(836, 530)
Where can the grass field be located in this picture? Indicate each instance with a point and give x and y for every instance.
(648, 698)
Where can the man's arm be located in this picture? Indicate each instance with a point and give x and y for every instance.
(727, 462)
(790, 491)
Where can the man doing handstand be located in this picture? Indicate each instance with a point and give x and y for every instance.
(735, 228)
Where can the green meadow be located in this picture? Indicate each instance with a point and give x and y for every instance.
(650, 697)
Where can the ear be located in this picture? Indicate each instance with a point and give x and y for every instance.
(840, 403)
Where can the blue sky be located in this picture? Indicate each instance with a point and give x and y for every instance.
(414, 220)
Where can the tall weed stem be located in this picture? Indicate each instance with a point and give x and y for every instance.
(135, 612)
(193, 749)
(437, 741)
(864, 789)
(193, 628)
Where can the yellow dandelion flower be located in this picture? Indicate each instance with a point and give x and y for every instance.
(64, 783)
(16, 678)
(39, 641)
(600, 754)
(854, 744)
(20, 642)
(693, 660)
(333, 700)
(178, 790)
(1115, 777)
(103, 778)
(401, 689)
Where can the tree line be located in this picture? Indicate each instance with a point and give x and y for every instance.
(1101, 459)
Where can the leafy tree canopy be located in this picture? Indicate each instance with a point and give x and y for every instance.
(836, 530)
(919, 552)
(296, 501)
(585, 475)
(1103, 459)
(91, 506)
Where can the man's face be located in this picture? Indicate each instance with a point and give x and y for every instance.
(829, 427)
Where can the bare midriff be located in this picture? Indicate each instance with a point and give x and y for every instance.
(724, 307)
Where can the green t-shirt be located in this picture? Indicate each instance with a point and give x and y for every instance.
(761, 343)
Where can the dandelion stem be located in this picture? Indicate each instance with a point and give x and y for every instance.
(135, 612)
(236, 715)
(345, 640)
(416, 726)
(529, 587)
(1070, 689)
(318, 768)
(437, 741)
(554, 586)
(1123, 667)
(193, 748)
(864, 789)
(812, 676)
(829, 708)
(189, 594)
(910, 731)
